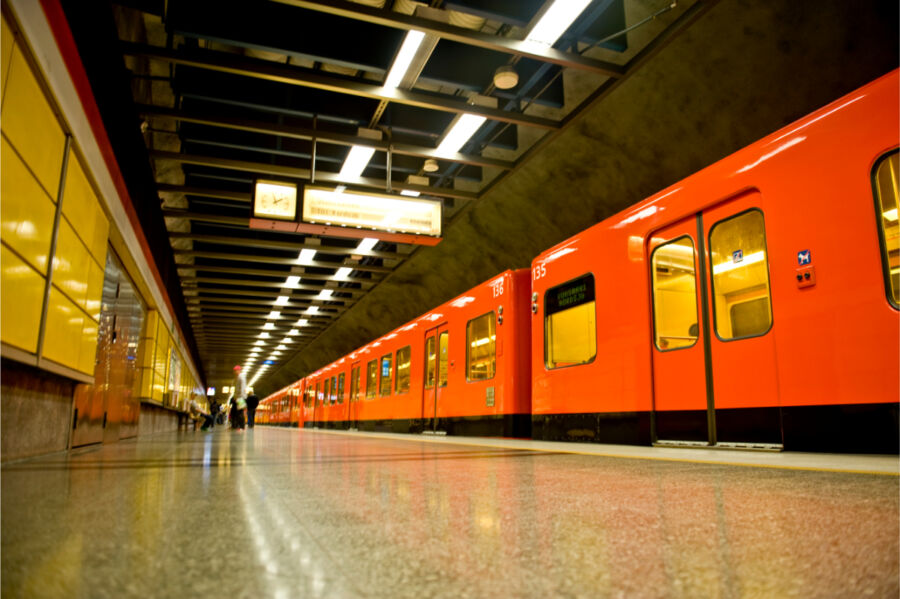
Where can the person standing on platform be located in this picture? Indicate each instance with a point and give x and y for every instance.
(239, 398)
(213, 411)
(252, 403)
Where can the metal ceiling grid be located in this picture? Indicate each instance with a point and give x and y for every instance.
(229, 92)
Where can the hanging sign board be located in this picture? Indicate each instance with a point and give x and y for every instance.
(373, 211)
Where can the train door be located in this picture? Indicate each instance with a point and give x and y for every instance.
(714, 379)
(353, 401)
(437, 343)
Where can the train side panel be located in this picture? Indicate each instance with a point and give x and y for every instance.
(810, 362)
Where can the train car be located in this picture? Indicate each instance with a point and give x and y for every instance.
(752, 304)
(284, 407)
(462, 368)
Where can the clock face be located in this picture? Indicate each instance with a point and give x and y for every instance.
(275, 200)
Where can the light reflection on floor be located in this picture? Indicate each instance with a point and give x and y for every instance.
(288, 513)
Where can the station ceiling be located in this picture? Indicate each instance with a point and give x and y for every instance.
(220, 94)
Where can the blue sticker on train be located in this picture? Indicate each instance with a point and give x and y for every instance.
(737, 256)
(804, 257)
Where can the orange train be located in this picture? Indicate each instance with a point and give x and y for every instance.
(753, 304)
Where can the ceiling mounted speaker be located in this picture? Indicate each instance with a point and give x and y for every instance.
(430, 166)
(505, 77)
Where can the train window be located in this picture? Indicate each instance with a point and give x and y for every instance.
(354, 384)
(570, 323)
(333, 389)
(401, 379)
(886, 195)
(443, 352)
(430, 362)
(674, 294)
(481, 347)
(310, 395)
(327, 392)
(340, 388)
(371, 378)
(740, 276)
(385, 383)
(318, 395)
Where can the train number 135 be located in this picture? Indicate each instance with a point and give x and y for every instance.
(538, 272)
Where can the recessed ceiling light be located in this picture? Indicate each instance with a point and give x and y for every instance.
(282, 300)
(273, 315)
(555, 21)
(305, 257)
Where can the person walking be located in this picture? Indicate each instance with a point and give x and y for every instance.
(239, 398)
(252, 403)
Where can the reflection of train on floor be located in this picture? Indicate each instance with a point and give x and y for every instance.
(753, 303)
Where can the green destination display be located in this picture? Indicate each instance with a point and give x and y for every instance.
(570, 294)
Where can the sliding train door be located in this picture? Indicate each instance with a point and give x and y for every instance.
(436, 353)
(353, 403)
(714, 378)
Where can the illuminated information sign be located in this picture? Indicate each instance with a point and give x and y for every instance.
(371, 211)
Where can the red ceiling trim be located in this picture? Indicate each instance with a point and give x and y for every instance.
(56, 18)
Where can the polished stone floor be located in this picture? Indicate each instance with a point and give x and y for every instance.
(286, 513)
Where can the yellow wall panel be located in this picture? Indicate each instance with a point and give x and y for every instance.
(151, 322)
(30, 124)
(147, 353)
(79, 201)
(62, 336)
(26, 211)
(146, 383)
(158, 388)
(6, 48)
(20, 302)
(88, 346)
(100, 241)
(70, 265)
(94, 299)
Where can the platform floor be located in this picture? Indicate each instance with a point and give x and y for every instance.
(297, 513)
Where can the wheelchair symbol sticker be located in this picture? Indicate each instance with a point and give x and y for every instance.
(737, 256)
(804, 257)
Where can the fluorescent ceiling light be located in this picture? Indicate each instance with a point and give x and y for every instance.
(288, 340)
(269, 326)
(312, 310)
(890, 215)
(291, 281)
(340, 189)
(282, 300)
(281, 347)
(555, 21)
(325, 294)
(302, 322)
(260, 342)
(404, 57)
(293, 332)
(356, 161)
(273, 314)
(459, 134)
(412, 194)
(305, 257)
(264, 335)
(344, 272)
(275, 354)
(367, 244)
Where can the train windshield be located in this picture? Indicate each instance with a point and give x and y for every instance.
(570, 323)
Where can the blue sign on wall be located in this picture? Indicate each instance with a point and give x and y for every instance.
(804, 257)
(737, 256)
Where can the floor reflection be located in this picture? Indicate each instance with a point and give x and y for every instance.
(288, 513)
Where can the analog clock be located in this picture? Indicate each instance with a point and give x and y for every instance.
(274, 199)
